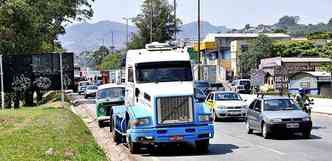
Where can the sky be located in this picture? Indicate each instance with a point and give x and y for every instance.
(230, 13)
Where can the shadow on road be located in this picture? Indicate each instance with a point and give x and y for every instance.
(230, 120)
(296, 136)
(189, 150)
(318, 127)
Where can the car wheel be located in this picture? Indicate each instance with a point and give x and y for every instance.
(249, 130)
(134, 148)
(264, 131)
(116, 136)
(202, 146)
(306, 134)
(111, 125)
(100, 124)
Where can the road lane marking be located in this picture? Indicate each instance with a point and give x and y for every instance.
(270, 149)
(257, 145)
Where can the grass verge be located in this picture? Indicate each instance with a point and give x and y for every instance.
(46, 134)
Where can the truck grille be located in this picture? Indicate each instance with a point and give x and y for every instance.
(173, 110)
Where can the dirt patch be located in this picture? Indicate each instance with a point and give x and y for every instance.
(103, 137)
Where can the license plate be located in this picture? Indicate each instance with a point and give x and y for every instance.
(176, 138)
(293, 125)
(235, 113)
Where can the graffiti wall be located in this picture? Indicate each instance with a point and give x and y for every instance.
(37, 71)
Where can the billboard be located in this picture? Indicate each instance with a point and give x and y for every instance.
(37, 71)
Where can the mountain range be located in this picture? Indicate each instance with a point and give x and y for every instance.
(89, 36)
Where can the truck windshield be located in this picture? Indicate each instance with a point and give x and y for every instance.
(170, 71)
(111, 93)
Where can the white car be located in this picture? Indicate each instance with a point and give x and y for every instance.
(82, 86)
(226, 104)
(90, 91)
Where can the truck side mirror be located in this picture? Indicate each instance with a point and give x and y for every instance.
(137, 92)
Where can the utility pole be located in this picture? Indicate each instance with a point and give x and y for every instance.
(199, 38)
(61, 79)
(2, 87)
(112, 47)
(175, 22)
(151, 21)
(127, 30)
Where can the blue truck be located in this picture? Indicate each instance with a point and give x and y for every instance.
(160, 107)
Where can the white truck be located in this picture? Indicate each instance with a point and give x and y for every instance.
(159, 101)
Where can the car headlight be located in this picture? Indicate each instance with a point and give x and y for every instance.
(277, 120)
(141, 122)
(306, 119)
(205, 118)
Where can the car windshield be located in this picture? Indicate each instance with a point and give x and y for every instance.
(163, 72)
(227, 97)
(279, 105)
(111, 93)
(92, 87)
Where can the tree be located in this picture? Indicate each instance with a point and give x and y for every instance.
(29, 26)
(326, 51)
(32, 26)
(247, 27)
(287, 21)
(259, 48)
(99, 54)
(112, 61)
(330, 22)
(163, 26)
(294, 48)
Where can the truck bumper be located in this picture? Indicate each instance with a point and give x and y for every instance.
(172, 134)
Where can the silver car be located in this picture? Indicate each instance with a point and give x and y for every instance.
(276, 114)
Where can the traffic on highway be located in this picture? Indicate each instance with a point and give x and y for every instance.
(157, 108)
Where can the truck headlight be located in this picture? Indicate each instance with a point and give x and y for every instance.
(277, 120)
(141, 122)
(205, 118)
(306, 119)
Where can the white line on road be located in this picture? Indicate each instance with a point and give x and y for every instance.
(257, 145)
(270, 149)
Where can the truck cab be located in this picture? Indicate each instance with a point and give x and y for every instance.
(159, 101)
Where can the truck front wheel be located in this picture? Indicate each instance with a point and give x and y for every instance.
(202, 146)
(134, 148)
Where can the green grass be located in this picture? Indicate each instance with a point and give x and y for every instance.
(28, 133)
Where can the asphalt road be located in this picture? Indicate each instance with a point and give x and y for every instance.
(231, 142)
